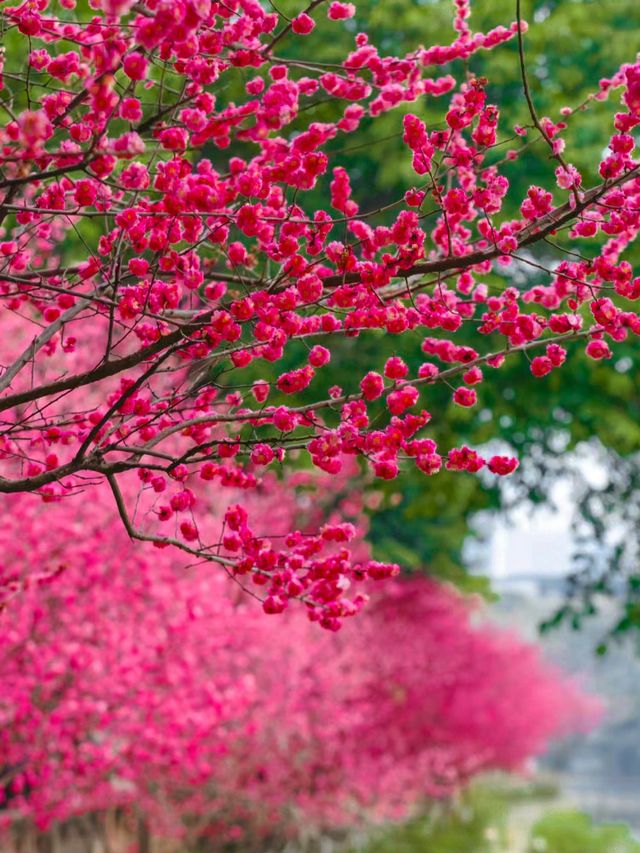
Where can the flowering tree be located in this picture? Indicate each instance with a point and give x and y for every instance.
(143, 683)
(145, 358)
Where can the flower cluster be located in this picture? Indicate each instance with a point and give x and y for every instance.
(190, 338)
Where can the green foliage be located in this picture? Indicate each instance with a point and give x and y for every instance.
(487, 817)
(476, 823)
(574, 832)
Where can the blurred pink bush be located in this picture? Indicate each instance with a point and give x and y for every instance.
(130, 678)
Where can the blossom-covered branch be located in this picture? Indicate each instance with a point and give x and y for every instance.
(182, 250)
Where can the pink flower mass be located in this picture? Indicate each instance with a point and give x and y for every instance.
(135, 679)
